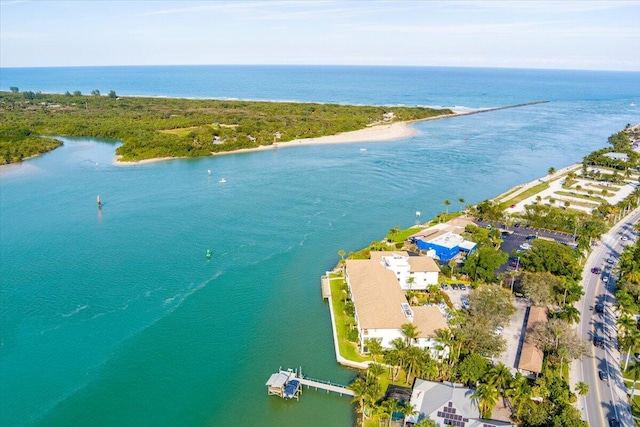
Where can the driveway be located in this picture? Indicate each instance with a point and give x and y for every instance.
(513, 333)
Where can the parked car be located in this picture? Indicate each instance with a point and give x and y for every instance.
(596, 270)
(444, 286)
(454, 287)
(531, 237)
(614, 422)
(499, 330)
(605, 279)
(525, 246)
(512, 206)
(599, 307)
(603, 376)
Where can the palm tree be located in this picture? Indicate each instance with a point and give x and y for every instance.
(486, 397)
(570, 314)
(361, 394)
(452, 265)
(342, 253)
(552, 171)
(500, 377)
(375, 347)
(426, 422)
(461, 201)
(408, 410)
(375, 369)
(413, 359)
(391, 406)
(519, 392)
(582, 388)
(447, 203)
(410, 282)
(410, 332)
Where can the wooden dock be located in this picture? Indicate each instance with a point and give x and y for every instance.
(326, 286)
(324, 385)
(288, 384)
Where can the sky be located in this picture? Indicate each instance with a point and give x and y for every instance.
(586, 35)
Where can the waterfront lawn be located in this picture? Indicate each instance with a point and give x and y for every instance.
(396, 235)
(525, 194)
(342, 320)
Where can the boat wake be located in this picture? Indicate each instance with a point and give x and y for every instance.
(76, 311)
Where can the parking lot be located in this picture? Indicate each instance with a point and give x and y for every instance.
(459, 297)
(516, 236)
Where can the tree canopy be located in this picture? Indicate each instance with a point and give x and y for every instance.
(169, 127)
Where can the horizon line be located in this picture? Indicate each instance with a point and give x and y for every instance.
(325, 65)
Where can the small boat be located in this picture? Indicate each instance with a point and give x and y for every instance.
(363, 149)
(208, 253)
(222, 181)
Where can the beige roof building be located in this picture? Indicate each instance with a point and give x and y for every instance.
(531, 357)
(376, 295)
(381, 305)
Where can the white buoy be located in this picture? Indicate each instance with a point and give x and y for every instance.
(209, 171)
(417, 214)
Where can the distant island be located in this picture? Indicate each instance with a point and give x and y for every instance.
(153, 128)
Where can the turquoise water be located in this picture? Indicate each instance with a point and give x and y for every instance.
(116, 317)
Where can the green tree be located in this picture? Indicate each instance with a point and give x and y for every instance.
(375, 347)
(447, 203)
(461, 201)
(342, 253)
(539, 287)
(410, 332)
(552, 170)
(500, 377)
(472, 368)
(77, 93)
(426, 422)
(486, 396)
(14, 89)
(112, 94)
(95, 92)
(408, 410)
(482, 263)
(582, 388)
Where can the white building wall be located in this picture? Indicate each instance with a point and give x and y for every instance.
(385, 335)
(421, 280)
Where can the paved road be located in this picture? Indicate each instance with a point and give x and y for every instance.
(605, 400)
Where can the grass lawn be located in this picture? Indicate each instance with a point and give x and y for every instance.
(594, 199)
(400, 236)
(348, 350)
(525, 194)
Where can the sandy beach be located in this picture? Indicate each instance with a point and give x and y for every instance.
(376, 133)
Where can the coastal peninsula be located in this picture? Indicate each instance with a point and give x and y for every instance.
(152, 128)
(155, 129)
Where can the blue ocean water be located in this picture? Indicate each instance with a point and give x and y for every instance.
(116, 317)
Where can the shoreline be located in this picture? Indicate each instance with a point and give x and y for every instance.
(376, 133)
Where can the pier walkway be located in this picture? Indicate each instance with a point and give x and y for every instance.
(325, 385)
(288, 384)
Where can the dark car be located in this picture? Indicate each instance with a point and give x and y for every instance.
(598, 341)
(614, 422)
(596, 270)
(599, 307)
(603, 376)
(531, 237)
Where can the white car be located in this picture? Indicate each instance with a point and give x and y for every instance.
(605, 279)
(525, 246)
(624, 238)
